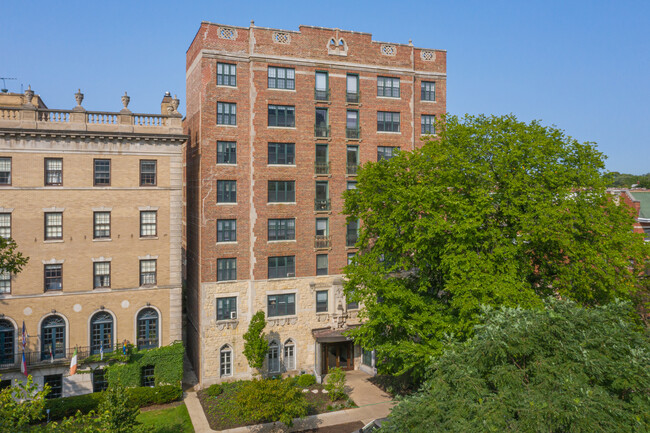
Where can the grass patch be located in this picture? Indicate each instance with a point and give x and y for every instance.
(172, 420)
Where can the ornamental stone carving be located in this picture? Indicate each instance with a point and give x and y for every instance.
(427, 56)
(29, 95)
(125, 100)
(227, 324)
(79, 97)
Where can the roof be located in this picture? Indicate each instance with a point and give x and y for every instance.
(330, 335)
(643, 197)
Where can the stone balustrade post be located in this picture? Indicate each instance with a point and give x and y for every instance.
(78, 114)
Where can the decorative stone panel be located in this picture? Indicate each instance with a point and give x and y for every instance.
(428, 56)
(281, 38)
(388, 50)
(227, 33)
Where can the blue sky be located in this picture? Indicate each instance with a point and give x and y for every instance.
(581, 65)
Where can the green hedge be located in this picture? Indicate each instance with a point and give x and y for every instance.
(146, 396)
(305, 380)
(167, 362)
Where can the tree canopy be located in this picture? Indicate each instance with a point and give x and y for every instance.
(565, 368)
(493, 211)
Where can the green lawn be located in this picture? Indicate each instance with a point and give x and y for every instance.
(172, 420)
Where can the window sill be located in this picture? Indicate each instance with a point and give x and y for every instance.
(281, 90)
(103, 239)
(148, 286)
(227, 204)
(225, 86)
(426, 100)
(281, 127)
(394, 98)
(280, 241)
(289, 316)
(281, 165)
(226, 281)
(53, 241)
(226, 125)
(150, 238)
(281, 279)
(389, 132)
(227, 243)
(281, 202)
(226, 164)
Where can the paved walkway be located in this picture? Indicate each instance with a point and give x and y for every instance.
(373, 403)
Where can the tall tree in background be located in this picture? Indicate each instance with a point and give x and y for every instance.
(492, 212)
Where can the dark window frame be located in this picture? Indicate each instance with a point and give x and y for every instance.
(144, 225)
(385, 91)
(225, 270)
(228, 152)
(322, 306)
(147, 376)
(227, 194)
(144, 275)
(381, 154)
(321, 270)
(146, 176)
(281, 226)
(98, 277)
(279, 263)
(46, 226)
(56, 385)
(386, 121)
(51, 279)
(281, 152)
(8, 177)
(426, 92)
(96, 224)
(227, 78)
(47, 172)
(226, 230)
(288, 83)
(100, 383)
(286, 194)
(225, 306)
(281, 306)
(285, 112)
(229, 116)
(95, 173)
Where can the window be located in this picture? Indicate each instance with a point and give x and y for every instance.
(282, 267)
(101, 225)
(102, 172)
(282, 191)
(281, 305)
(322, 159)
(5, 282)
(352, 160)
(147, 328)
(5, 171)
(225, 308)
(322, 226)
(226, 269)
(322, 200)
(352, 184)
(274, 357)
(56, 385)
(282, 229)
(148, 172)
(226, 191)
(53, 171)
(386, 152)
(352, 124)
(289, 355)
(148, 223)
(282, 115)
(428, 92)
(101, 333)
(321, 301)
(53, 277)
(352, 88)
(226, 113)
(366, 357)
(388, 87)
(321, 92)
(100, 383)
(101, 275)
(147, 272)
(226, 230)
(352, 233)
(387, 121)
(53, 338)
(225, 361)
(428, 124)
(353, 306)
(321, 264)
(5, 225)
(321, 126)
(147, 376)
(226, 152)
(7, 336)
(53, 226)
(350, 258)
(282, 153)
(226, 74)
(282, 78)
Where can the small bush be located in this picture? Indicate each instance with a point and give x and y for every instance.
(68, 406)
(146, 396)
(214, 390)
(268, 401)
(335, 385)
(305, 380)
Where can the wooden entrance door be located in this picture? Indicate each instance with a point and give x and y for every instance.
(338, 355)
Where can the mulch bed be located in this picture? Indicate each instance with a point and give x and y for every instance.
(348, 427)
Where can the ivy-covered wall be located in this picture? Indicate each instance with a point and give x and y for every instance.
(167, 362)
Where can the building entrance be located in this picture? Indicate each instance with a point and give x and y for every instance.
(338, 355)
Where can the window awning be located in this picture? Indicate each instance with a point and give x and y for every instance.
(330, 335)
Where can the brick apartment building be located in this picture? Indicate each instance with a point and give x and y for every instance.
(278, 123)
(94, 200)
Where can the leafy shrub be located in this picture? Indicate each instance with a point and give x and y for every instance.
(214, 390)
(68, 406)
(167, 362)
(305, 380)
(146, 396)
(335, 385)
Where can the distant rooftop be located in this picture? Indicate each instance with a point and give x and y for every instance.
(643, 197)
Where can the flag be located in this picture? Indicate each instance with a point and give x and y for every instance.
(23, 365)
(24, 336)
(73, 363)
(101, 351)
(124, 347)
(51, 353)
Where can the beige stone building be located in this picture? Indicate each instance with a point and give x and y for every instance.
(94, 200)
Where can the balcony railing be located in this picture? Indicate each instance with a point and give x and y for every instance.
(353, 133)
(322, 204)
(322, 131)
(322, 241)
(322, 95)
(353, 98)
(351, 169)
(322, 167)
(148, 343)
(351, 239)
(44, 358)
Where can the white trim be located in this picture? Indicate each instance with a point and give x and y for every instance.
(295, 354)
(53, 209)
(149, 257)
(67, 329)
(232, 360)
(102, 259)
(6, 210)
(146, 208)
(53, 261)
(102, 209)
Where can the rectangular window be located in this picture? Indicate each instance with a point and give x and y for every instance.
(388, 121)
(147, 272)
(282, 229)
(322, 226)
(428, 124)
(147, 172)
(101, 225)
(282, 267)
(321, 264)
(322, 165)
(352, 88)
(352, 184)
(282, 78)
(226, 230)
(226, 191)
(281, 305)
(352, 233)
(321, 126)
(321, 301)
(101, 275)
(322, 200)
(282, 191)
(388, 87)
(282, 115)
(226, 269)
(56, 385)
(350, 257)
(226, 74)
(321, 92)
(53, 225)
(352, 160)
(5, 171)
(225, 308)
(226, 152)
(366, 357)
(148, 377)
(226, 113)
(53, 277)
(282, 153)
(102, 172)
(5, 282)
(428, 92)
(53, 171)
(99, 380)
(5, 225)
(386, 152)
(148, 223)
(352, 124)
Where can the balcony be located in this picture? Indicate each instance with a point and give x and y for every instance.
(351, 169)
(353, 133)
(322, 242)
(322, 168)
(322, 131)
(351, 239)
(322, 205)
(38, 358)
(322, 95)
(353, 98)
(147, 343)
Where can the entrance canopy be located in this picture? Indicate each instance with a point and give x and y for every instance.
(329, 335)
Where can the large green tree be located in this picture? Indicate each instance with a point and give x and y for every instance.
(493, 211)
(255, 344)
(565, 368)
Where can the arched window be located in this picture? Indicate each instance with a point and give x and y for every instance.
(332, 42)
(101, 333)
(53, 338)
(147, 329)
(274, 357)
(225, 361)
(289, 355)
(7, 338)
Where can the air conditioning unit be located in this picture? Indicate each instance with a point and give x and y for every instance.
(291, 274)
(233, 314)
